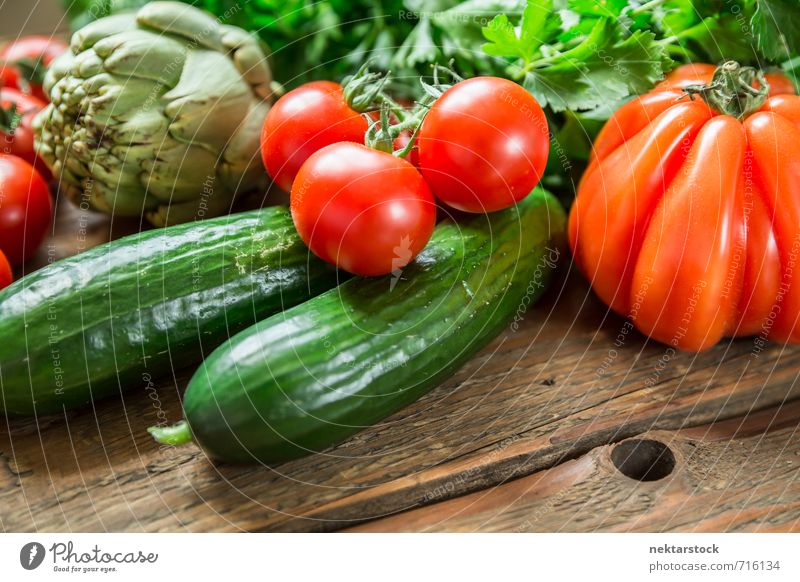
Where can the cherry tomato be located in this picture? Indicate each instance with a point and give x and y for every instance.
(9, 77)
(483, 145)
(303, 121)
(401, 141)
(6, 276)
(25, 208)
(19, 142)
(368, 212)
(31, 55)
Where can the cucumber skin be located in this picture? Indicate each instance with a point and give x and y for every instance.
(116, 315)
(306, 379)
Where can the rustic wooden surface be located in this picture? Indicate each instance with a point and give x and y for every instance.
(518, 440)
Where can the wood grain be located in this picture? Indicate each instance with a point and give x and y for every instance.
(741, 475)
(568, 381)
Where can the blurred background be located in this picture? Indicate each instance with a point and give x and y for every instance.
(31, 17)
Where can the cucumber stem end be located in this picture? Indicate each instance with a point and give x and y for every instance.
(175, 435)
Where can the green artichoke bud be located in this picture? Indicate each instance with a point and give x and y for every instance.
(157, 112)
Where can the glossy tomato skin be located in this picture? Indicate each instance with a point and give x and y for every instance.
(29, 50)
(20, 142)
(6, 276)
(303, 121)
(634, 115)
(483, 145)
(32, 48)
(25, 209)
(368, 212)
(689, 223)
(9, 77)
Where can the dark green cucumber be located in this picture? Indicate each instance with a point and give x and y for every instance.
(308, 378)
(117, 315)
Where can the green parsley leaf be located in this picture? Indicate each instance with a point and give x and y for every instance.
(599, 70)
(776, 24)
(538, 24)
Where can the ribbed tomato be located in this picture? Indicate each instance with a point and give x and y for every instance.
(688, 220)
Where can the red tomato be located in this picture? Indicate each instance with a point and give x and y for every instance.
(303, 121)
(483, 145)
(20, 141)
(6, 276)
(9, 77)
(690, 225)
(25, 208)
(26, 53)
(401, 141)
(32, 48)
(634, 115)
(368, 212)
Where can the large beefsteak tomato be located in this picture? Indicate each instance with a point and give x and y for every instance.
(688, 218)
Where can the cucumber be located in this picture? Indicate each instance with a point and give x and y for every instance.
(118, 315)
(308, 378)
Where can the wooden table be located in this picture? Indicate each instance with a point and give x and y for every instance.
(563, 425)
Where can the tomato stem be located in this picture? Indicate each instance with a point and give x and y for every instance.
(734, 90)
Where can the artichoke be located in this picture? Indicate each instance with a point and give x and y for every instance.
(156, 112)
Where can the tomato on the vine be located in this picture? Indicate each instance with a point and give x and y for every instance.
(25, 208)
(304, 121)
(366, 211)
(9, 77)
(6, 276)
(30, 56)
(483, 145)
(17, 139)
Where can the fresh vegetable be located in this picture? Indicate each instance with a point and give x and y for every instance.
(17, 111)
(688, 220)
(579, 59)
(157, 112)
(483, 145)
(119, 315)
(6, 276)
(366, 211)
(30, 56)
(25, 209)
(9, 77)
(304, 121)
(309, 378)
(634, 115)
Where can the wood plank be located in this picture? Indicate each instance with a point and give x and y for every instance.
(556, 388)
(731, 476)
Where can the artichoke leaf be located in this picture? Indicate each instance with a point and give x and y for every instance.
(238, 163)
(210, 100)
(180, 19)
(139, 54)
(178, 172)
(87, 64)
(114, 102)
(145, 126)
(93, 32)
(203, 207)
